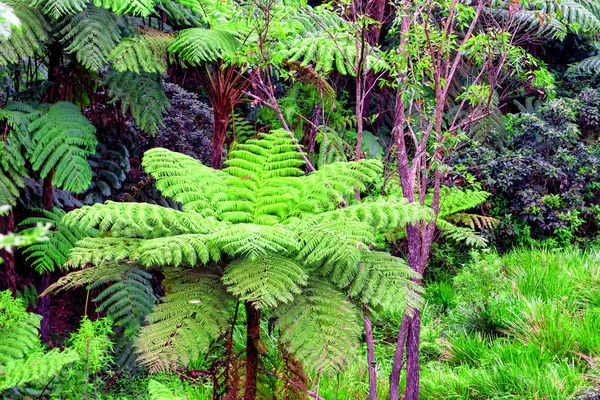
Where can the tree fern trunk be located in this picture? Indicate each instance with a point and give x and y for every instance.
(7, 224)
(220, 132)
(412, 358)
(252, 342)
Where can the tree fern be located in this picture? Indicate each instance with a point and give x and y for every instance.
(91, 35)
(158, 391)
(30, 38)
(62, 139)
(142, 96)
(265, 229)
(146, 52)
(590, 65)
(52, 254)
(12, 169)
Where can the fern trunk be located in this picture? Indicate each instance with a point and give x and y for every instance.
(7, 224)
(252, 351)
(370, 355)
(220, 133)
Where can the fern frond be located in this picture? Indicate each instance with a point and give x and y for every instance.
(138, 8)
(158, 391)
(265, 282)
(91, 35)
(197, 45)
(12, 169)
(58, 9)
(473, 221)
(454, 199)
(590, 65)
(384, 282)
(128, 298)
(186, 180)
(180, 16)
(52, 254)
(97, 251)
(182, 250)
(101, 272)
(141, 95)
(19, 330)
(29, 39)
(254, 241)
(62, 139)
(320, 327)
(37, 367)
(461, 234)
(184, 323)
(139, 220)
(146, 52)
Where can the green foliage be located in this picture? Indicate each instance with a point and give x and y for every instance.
(197, 45)
(146, 52)
(141, 95)
(21, 357)
(271, 228)
(12, 169)
(91, 35)
(158, 391)
(140, 8)
(27, 40)
(52, 254)
(62, 139)
(8, 21)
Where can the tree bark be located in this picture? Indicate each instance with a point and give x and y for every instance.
(412, 358)
(252, 342)
(7, 225)
(370, 355)
(398, 359)
(220, 133)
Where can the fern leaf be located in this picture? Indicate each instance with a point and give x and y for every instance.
(139, 8)
(29, 39)
(461, 234)
(265, 282)
(197, 45)
(320, 327)
(254, 241)
(52, 254)
(12, 169)
(184, 324)
(58, 9)
(62, 139)
(141, 95)
(103, 272)
(590, 65)
(147, 52)
(91, 35)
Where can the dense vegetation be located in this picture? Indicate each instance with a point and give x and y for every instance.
(230, 199)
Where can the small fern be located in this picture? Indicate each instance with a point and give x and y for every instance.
(158, 391)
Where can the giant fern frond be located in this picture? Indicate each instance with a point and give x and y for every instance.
(184, 323)
(320, 327)
(62, 140)
(197, 45)
(91, 35)
(266, 281)
(139, 8)
(146, 52)
(12, 169)
(52, 254)
(141, 95)
(58, 9)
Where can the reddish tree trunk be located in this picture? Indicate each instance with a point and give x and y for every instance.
(252, 341)
(220, 133)
(7, 225)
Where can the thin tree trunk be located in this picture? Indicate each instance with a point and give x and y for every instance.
(252, 341)
(220, 133)
(7, 225)
(412, 358)
(370, 355)
(398, 359)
